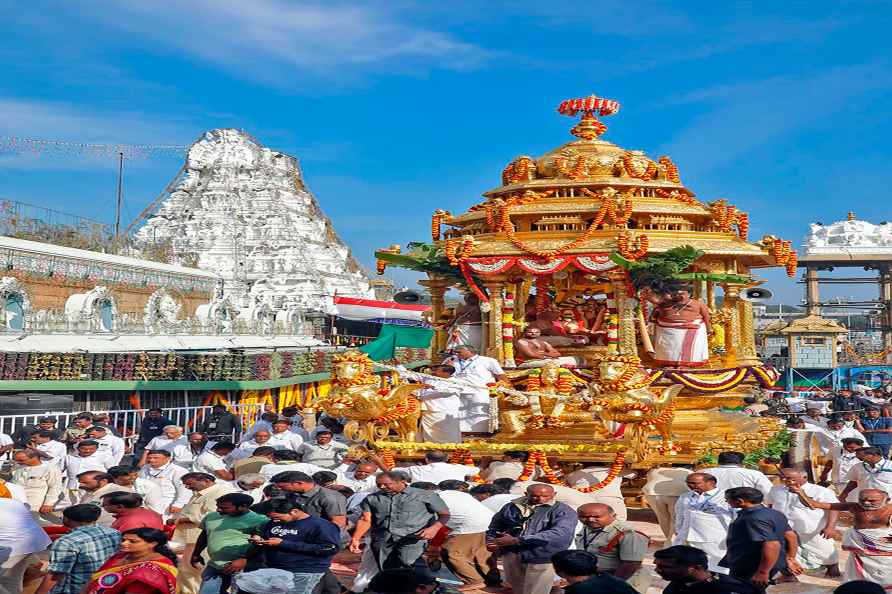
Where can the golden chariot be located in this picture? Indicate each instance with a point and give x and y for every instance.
(568, 228)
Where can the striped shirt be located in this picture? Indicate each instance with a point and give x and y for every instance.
(79, 554)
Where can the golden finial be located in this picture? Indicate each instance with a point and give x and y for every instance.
(589, 127)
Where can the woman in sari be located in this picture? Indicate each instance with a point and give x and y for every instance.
(143, 565)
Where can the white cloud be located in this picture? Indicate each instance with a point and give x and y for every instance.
(283, 42)
(47, 120)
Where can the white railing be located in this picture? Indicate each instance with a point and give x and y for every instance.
(126, 422)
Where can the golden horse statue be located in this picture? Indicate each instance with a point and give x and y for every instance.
(620, 394)
(372, 411)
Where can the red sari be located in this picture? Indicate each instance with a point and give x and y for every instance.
(158, 576)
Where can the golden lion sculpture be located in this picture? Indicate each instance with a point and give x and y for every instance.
(372, 411)
(620, 395)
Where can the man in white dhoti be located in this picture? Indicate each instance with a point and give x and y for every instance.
(869, 541)
(440, 408)
(466, 326)
(480, 371)
(815, 528)
(680, 329)
(702, 517)
(841, 460)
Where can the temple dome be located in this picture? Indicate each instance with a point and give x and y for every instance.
(849, 235)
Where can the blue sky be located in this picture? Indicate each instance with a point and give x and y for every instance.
(397, 108)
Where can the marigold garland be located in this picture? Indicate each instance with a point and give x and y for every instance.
(517, 170)
(682, 197)
(436, 223)
(616, 468)
(409, 407)
(388, 459)
(784, 255)
(671, 169)
(650, 170)
(642, 244)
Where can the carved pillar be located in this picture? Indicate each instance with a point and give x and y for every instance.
(493, 323)
(437, 289)
(710, 295)
(622, 317)
(812, 292)
(747, 351)
(885, 272)
(730, 306)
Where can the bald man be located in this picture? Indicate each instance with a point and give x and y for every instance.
(527, 532)
(702, 517)
(619, 548)
(869, 541)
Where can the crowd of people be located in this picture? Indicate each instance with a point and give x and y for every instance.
(220, 510)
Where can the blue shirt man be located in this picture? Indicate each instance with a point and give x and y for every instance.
(76, 556)
(877, 430)
(760, 541)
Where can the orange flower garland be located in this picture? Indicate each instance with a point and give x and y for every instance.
(538, 458)
(743, 226)
(616, 468)
(436, 223)
(517, 170)
(650, 170)
(671, 169)
(623, 246)
(676, 195)
(784, 255)
(410, 406)
(388, 459)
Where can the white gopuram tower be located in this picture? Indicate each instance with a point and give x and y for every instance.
(242, 210)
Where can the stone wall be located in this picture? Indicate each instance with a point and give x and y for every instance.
(50, 293)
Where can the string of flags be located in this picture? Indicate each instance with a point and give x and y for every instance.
(38, 147)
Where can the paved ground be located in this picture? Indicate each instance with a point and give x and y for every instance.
(644, 521)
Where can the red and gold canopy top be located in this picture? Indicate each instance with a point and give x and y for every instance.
(590, 197)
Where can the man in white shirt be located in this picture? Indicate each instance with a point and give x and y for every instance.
(41, 481)
(464, 550)
(265, 423)
(252, 484)
(816, 528)
(436, 469)
(260, 438)
(492, 496)
(87, 456)
(44, 441)
(6, 443)
(282, 438)
(20, 539)
(286, 461)
(160, 470)
(174, 441)
(510, 467)
(479, 371)
(361, 478)
(325, 452)
(110, 444)
(841, 460)
(730, 474)
(440, 408)
(836, 431)
(661, 492)
(212, 462)
(128, 478)
(610, 494)
(874, 472)
(702, 517)
(813, 417)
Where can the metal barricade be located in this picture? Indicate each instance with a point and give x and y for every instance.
(126, 422)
